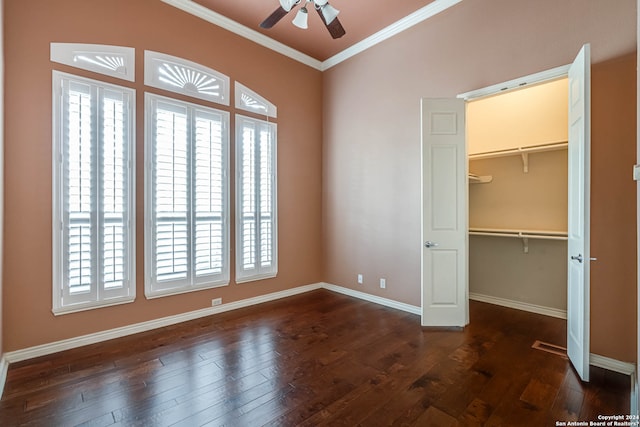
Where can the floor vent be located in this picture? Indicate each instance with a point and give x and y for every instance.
(550, 348)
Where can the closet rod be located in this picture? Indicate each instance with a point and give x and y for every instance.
(525, 235)
(519, 232)
(519, 150)
(518, 235)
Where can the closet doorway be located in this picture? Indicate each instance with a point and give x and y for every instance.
(517, 151)
(445, 250)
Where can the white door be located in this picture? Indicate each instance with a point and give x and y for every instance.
(444, 214)
(578, 221)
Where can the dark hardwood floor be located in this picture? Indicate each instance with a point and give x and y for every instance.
(316, 359)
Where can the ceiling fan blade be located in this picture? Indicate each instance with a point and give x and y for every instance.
(273, 19)
(335, 27)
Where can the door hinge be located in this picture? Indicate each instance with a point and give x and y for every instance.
(636, 172)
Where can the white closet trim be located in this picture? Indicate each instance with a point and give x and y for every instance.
(519, 83)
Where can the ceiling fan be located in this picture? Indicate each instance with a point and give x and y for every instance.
(328, 14)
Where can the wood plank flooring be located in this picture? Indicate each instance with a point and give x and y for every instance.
(317, 359)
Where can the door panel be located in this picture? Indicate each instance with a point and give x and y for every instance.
(578, 221)
(444, 204)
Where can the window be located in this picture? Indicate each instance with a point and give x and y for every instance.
(181, 76)
(114, 61)
(256, 220)
(248, 100)
(186, 239)
(93, 197)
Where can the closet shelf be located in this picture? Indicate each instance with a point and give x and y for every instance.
(525, 235)
(521, 151)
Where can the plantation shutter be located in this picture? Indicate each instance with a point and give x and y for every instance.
(92, 203)
(210, 227)
(171, 194)
(115, 193)
(256, 225)
(188, 197)
(79, 193)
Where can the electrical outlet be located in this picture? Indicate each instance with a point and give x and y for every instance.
(383, 283)
(216, 301)
(360, 279)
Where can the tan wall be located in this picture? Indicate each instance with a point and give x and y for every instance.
(522, 118)
(371, 161)
(30, 26)
(498, 267)
(613, 211)
(536, 200)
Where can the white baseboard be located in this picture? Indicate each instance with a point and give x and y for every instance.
(604, 362)
(54, 347)
(634, 395)
(532, 308)
(4, 367)
(373, 298)
(610, 364)
(57, 346)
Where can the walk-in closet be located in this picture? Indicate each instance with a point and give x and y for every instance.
(517, 145)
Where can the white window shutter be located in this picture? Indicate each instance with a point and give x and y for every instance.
(93, 197)
(256, 217)
(209, 204)
(186, 199)
(115, 192)
(171, 193)
(79, 170)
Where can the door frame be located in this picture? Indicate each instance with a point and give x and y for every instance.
(519, 83)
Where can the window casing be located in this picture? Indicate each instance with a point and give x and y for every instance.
(256, 201)
(186, 201)
(93, 194)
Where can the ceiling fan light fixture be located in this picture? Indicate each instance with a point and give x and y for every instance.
(301, 19)
(320, 3)
(288, 4)
(329, 13)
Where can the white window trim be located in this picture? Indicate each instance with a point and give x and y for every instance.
(114, 61)
(150, 290)
(271, 272)
(190, 78)
(57, 203)
(262, 105)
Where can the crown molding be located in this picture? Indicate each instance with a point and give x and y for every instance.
(397, 27)
(193, 8)
(409, 21)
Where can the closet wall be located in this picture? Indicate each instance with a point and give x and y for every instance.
(526, 194)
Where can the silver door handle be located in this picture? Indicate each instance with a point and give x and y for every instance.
(430, 244)
(577, 258)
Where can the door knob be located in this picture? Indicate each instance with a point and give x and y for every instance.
(430, 244)
(577, 258)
